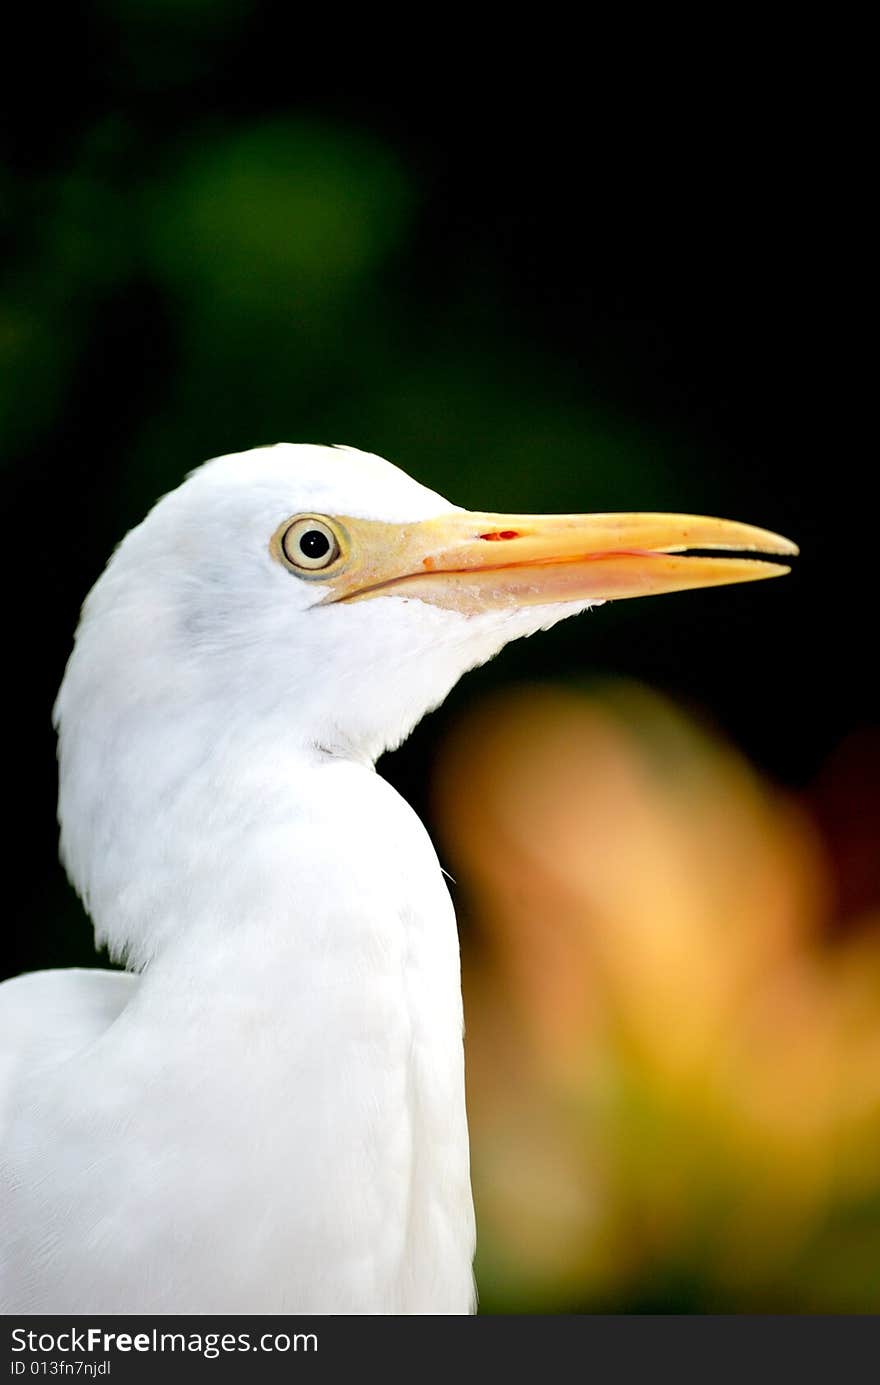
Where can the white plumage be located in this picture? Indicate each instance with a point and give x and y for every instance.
(265, 1114)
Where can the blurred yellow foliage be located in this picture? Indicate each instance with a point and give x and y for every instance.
(673, 1068)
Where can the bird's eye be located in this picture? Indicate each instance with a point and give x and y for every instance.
(310, 543)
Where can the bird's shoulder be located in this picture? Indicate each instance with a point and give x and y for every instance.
(45, 1016)
(87, 996)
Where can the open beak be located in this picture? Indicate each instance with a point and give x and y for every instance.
(476, 562)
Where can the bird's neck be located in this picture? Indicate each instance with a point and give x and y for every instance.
(170, 791)
(214, 839)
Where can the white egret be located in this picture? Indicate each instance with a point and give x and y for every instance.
(265, 1113)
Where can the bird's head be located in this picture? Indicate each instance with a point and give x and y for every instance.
(320, 597)
(326, 585)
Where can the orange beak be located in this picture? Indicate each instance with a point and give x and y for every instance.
(476, 562)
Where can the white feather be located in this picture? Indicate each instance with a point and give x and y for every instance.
(271, 1118)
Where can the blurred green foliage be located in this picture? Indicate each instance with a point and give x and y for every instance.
(281, 254)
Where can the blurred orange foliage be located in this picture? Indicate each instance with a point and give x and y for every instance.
(673, 1049)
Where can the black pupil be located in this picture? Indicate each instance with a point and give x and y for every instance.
(314, 544)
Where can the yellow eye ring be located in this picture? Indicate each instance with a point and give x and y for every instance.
(308, 544)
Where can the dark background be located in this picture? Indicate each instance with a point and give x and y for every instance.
(539, 270)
